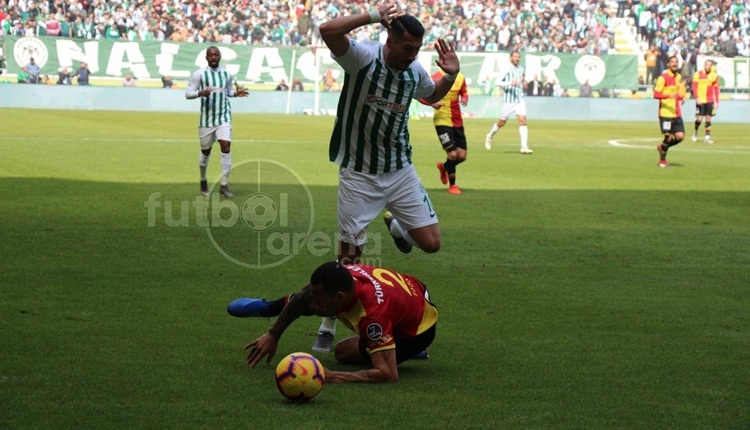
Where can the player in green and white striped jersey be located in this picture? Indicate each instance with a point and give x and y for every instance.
(370, 139)
(213, 84)
(513, 102)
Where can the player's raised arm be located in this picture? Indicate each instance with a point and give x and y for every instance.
(448, 62)
(334, 32)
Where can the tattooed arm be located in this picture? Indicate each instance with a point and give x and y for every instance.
(299, 304)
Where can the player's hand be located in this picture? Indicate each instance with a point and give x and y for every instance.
(464, 101)
(447, 58)
(261, 347)
(437, 105)
(387, 13)
(205, 93)
(241, 92)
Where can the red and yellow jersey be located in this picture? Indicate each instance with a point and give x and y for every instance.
(667, 84)
(706, 86)
(449, 113)
(388, 306)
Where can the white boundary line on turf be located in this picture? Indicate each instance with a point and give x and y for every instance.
(622, 143)
(112, 139)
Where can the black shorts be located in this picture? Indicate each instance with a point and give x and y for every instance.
(704, 109)
(406, 348)
(451, 137)
(671, 125)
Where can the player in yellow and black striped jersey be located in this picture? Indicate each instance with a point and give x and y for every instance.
(670, 91)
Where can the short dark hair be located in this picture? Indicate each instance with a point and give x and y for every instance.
(334, 277)
(406, 23)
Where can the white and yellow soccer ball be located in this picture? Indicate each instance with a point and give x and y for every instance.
(300, 376)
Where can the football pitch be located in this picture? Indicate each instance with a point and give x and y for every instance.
(581, 287)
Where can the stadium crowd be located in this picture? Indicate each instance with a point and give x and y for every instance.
(581, 26)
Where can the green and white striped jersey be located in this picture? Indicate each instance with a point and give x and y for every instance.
(512, 93)
(371, 132)
(215, 109)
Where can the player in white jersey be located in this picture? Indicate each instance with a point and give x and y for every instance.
(370, 139)
(214, 85)
(513, 102)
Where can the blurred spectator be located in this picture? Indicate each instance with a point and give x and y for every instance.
(585, 90)
(557, 90)
(604, 93)
(63, 78)
(329, 82)
(282, 86)
(652, 63)
(82, 74)
(297, 85)
(128, 82)
(47, 81)
(534, 88)
(33, 70)
(23, 76)
(166, 82)
(547, 87)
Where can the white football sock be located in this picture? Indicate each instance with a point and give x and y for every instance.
(203, 164)
(328, 325)
(226, 167)
(398, 231)
(524, 132)
(494, 129)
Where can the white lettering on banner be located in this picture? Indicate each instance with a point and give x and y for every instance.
(135, 63)
(266, 60)
(165, 61)
(69, 54)
(542, 65)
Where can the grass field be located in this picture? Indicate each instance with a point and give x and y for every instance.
(581, 287)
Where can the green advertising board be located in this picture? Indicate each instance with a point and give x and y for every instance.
(270, 64)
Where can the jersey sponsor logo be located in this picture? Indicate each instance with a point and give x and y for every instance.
(374, 331)
(381, 103)
(385, 340)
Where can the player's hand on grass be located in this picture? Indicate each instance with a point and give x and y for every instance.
(261, 347)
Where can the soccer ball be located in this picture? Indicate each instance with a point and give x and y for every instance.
(300, 376)
(259, 212)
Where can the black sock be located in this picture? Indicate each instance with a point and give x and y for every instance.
(275, 307)
(450, 168)
(708, 128)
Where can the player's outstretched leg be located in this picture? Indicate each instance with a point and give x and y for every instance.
(397, 233)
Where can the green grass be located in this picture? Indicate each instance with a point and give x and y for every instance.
(580, 287)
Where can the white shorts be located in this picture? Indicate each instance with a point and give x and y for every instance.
(209, 135)
(509, 108)
(362, 196)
